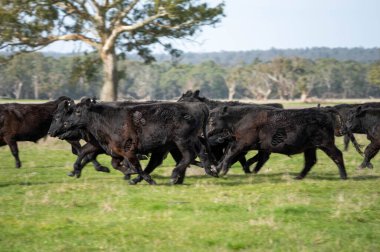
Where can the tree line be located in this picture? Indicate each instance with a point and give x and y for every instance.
(38, 76)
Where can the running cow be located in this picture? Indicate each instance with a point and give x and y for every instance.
(287, 132)
(25, 122)
(142, 129)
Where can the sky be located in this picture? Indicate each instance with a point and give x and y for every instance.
(283, 24)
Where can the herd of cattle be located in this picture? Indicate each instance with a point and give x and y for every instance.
(218, 133)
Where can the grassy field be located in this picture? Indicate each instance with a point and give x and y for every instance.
(42, 209)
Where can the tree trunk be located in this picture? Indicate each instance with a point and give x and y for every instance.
(304, 95)
(231, 91)
(18, 89)
(109, 89)
(36, 87)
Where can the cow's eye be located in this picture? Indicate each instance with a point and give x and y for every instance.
(77, 112)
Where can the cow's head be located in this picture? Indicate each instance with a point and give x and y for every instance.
(218, 120)
(354, 116)
(191, 96)
(63, 111)
(79, 118)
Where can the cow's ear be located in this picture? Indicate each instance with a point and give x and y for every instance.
(70, 103)
(196, 93)
(224, 110)
(66, 105)
(360, 111)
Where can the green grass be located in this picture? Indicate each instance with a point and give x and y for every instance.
(42, 209)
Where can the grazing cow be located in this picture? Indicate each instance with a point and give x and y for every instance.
(151, 128)
(287, 132)
(25, 122)
(219, 142)
(366, 120)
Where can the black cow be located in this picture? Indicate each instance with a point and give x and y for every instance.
(25, 122)
(92, 148)
(345, 110)
(85, 153)
(366, 120)
(219, 142)
(151, 128)
(287, 132)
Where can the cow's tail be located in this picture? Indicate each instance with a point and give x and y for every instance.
(355, 143)
(210, 155)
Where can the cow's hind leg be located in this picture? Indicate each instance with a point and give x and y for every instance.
(310, 160)
(14, 150)
(336, 155)
(262, 157)
(188, 154)
(370, 151)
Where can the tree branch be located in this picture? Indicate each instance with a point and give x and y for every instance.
(117, 20)
(124, 28)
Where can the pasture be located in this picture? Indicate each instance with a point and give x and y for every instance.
(42, 209)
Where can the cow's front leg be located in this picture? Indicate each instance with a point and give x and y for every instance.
(131, 157)
(310, 156)
(155, 160)
(371, 151)
(232, 151)
(82, 159)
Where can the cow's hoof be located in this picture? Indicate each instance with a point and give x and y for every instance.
(223, 172)
(343, 178)
(299, 177)
(247, 172)
(18, 165)
(359, 167)
(152, 182)
(127, 176)
(103, 169)
(369, 166)
(176, 181)
(212, 172)
(132, 182)
(71, 174)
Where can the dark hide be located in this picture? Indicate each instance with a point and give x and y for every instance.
(219, 142)
(287, 132)
(25, 122)
(344, 111)
(366, 120)
(151, 128)
(92, 147)
(86, 153)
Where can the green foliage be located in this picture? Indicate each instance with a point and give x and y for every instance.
(373, 74)
(44, 210)
(80, 75)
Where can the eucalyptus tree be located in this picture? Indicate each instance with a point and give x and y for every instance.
(108, 26)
